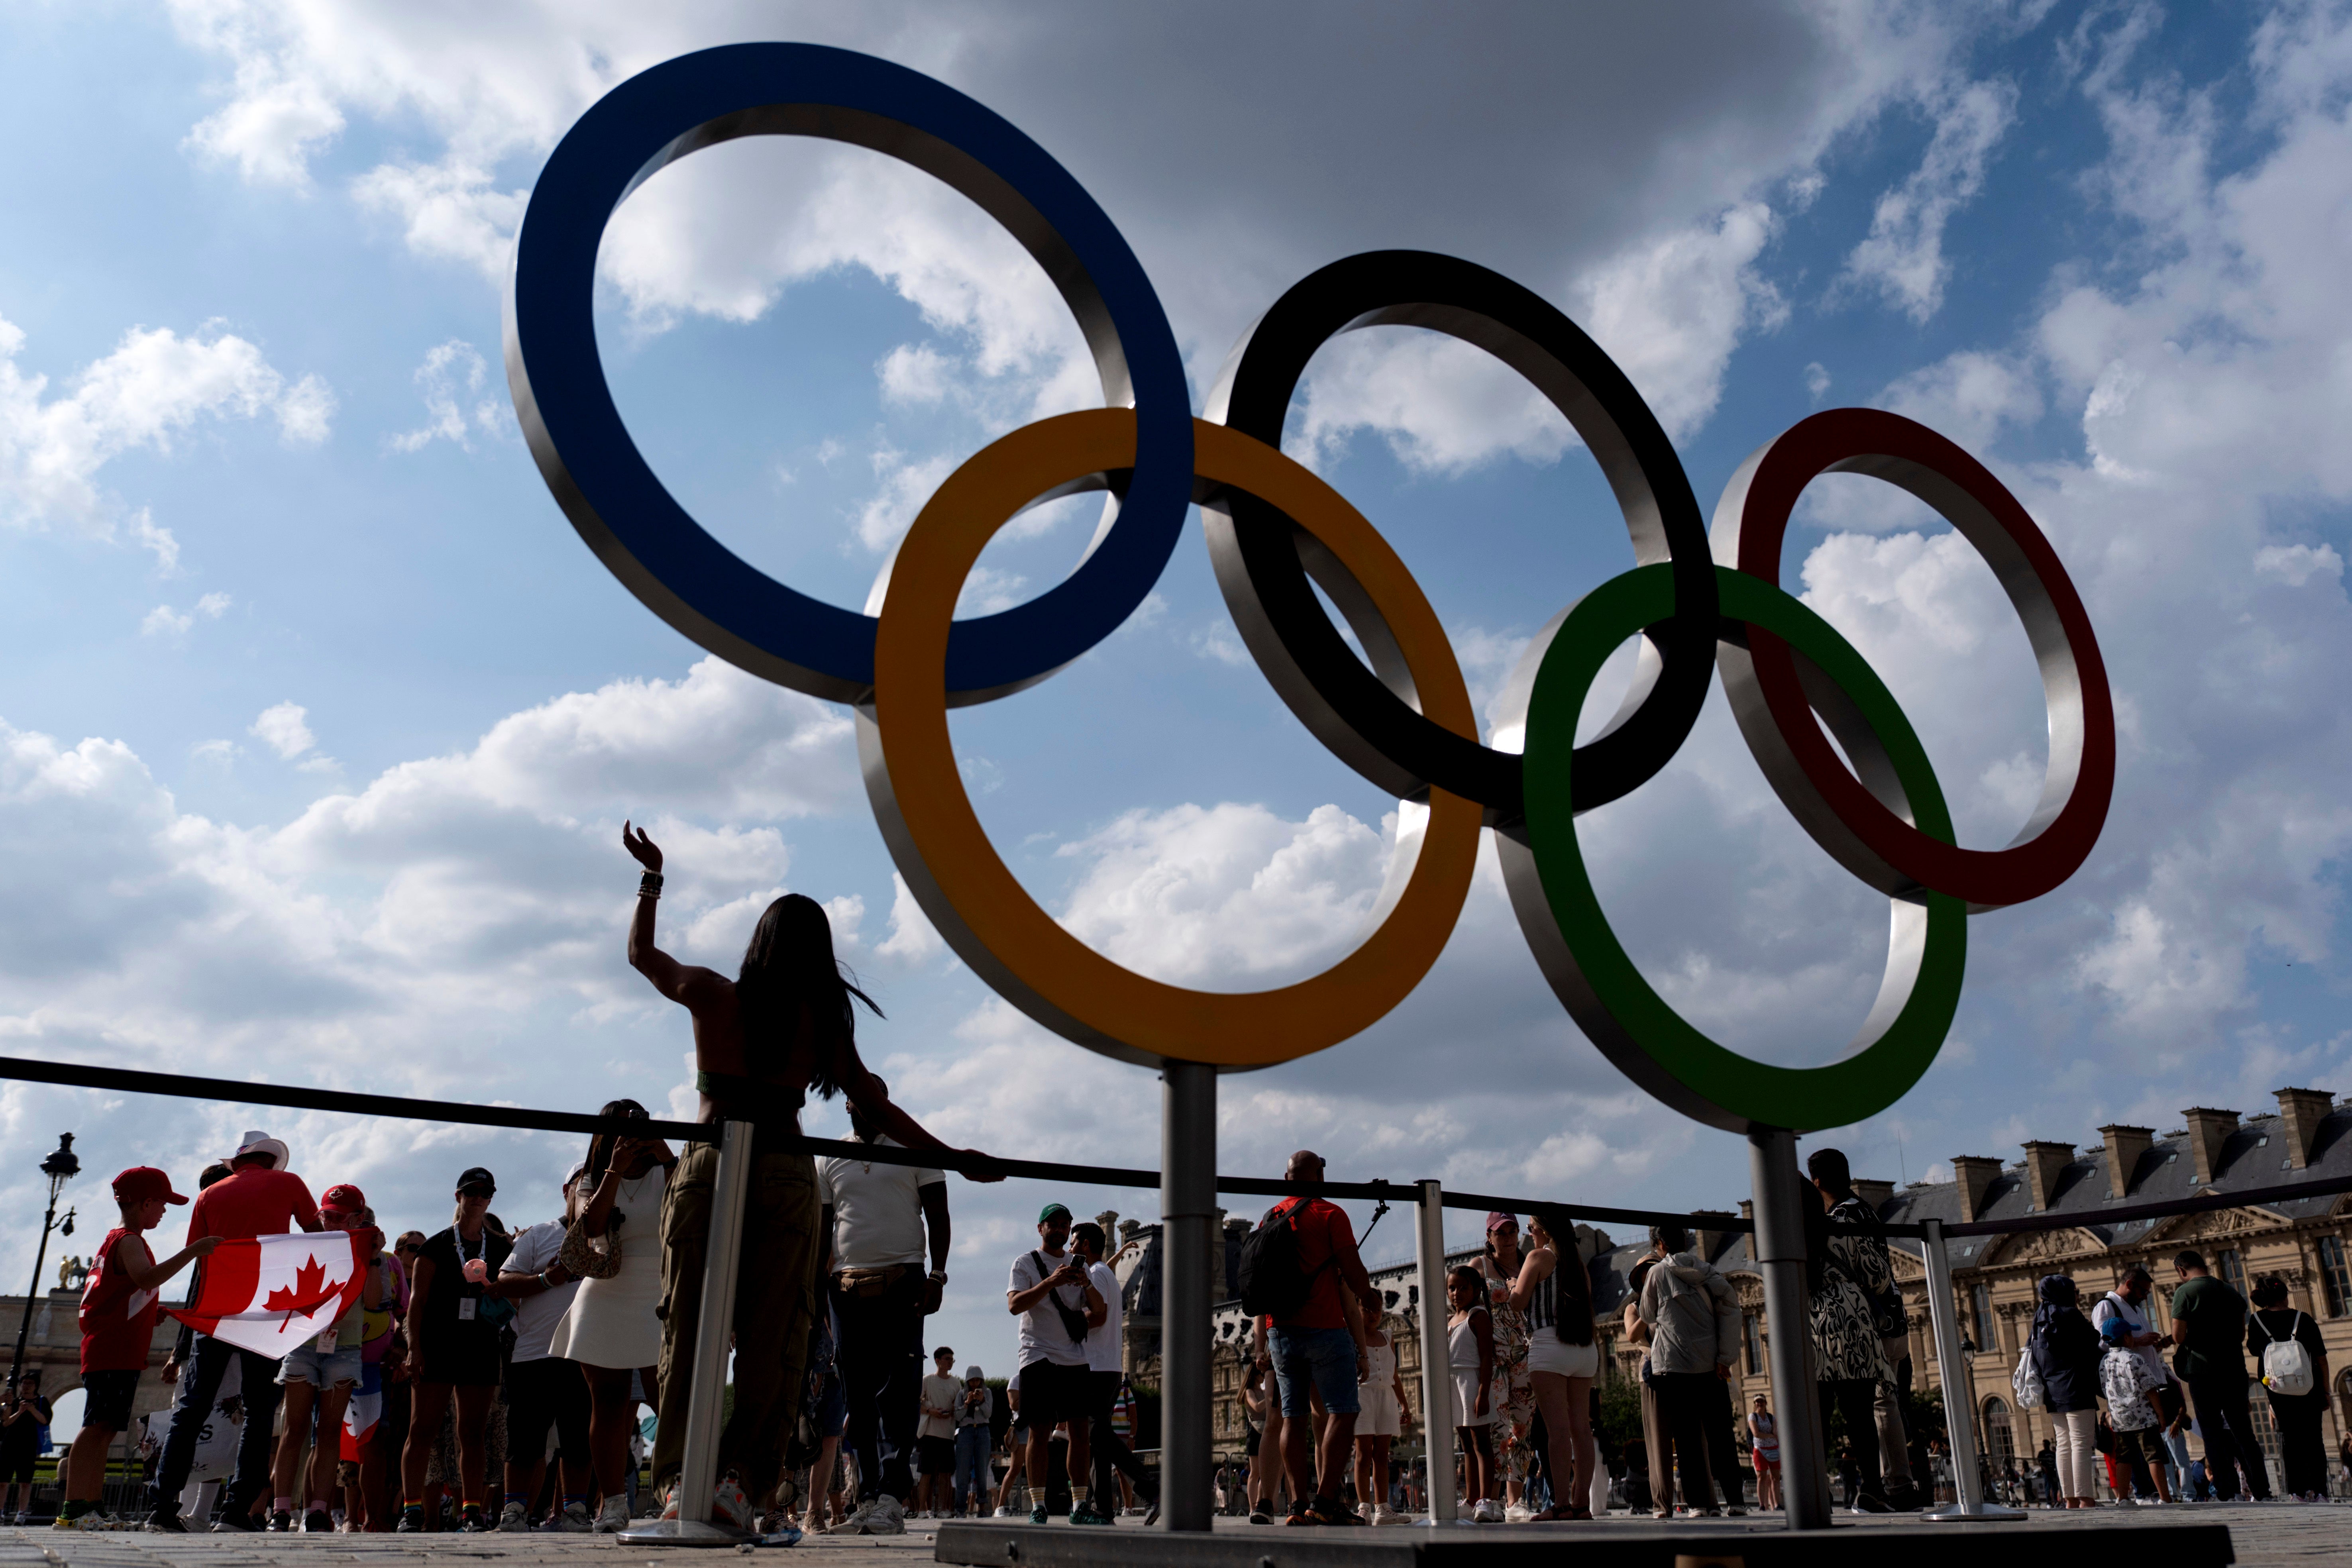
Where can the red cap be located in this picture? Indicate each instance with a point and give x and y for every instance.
(144, 1184)
(344, 1198)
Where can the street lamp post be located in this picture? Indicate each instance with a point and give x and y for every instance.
(61, 1167)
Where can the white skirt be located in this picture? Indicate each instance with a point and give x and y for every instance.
(1546, 1354)
(1465, 1399)
(611, 1322)
(1378, 1407)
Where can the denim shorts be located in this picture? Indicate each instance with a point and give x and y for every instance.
(1327, 1355)
(321, 1369)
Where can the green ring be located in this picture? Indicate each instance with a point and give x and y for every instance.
(1607, 995)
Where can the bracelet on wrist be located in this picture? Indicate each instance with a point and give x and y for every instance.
(649, 886)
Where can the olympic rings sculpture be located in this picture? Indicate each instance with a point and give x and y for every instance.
(1704, 599)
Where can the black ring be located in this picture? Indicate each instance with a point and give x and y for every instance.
(1368, 719)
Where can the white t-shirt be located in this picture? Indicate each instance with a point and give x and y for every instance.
(939, 1393)
(1102, 1344)
(1043, 1337)
(877, 1219)
(2112, 1305)
(535, 1247)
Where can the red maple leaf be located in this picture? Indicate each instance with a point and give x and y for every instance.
(310, 1290)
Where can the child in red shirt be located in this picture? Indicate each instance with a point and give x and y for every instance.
(119, 1302)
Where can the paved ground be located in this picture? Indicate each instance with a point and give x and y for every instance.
(2266, 1536)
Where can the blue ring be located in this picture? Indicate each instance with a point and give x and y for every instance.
(650, 541)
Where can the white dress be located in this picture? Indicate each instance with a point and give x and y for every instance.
(1462, 1343)
(612, 1322)
(1377, 1393)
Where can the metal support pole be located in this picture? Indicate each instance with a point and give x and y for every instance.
(41, 1261)
(699, 1467)
(1188, 1217)
(1787, 1312)
(1959, 1396)
(1436, 1355)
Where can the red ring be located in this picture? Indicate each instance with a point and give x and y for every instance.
(1750, 522)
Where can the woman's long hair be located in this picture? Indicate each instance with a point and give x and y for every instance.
(788, 965)
(1572, 1289)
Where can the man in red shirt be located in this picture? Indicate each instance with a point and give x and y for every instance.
(1315, 1347)
(260, 1197)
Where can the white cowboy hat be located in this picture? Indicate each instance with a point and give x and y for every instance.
(261, 1143)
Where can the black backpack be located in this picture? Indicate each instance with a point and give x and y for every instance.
(1273, 1283)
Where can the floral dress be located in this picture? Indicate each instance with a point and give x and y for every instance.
(1512, 1395)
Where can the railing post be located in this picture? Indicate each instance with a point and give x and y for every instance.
(1960, 1395)
(1788, 1312)
(1188, 1216)
(1436, 1355)
(698, 1466)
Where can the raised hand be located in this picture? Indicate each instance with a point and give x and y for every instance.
(647, 852)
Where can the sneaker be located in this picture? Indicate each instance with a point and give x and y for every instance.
(280, 1522)
(318, 1521)
(1871, 1502)
(1038, 1515)
(613, 1517)
(166, 1520)
(779, 1531)
(1488, 1512)
(729, 1507)
(235, 1520)
(1152, 1514)
(1259, 1516)
(1518, 1513)
(1661, 1513)
(887, 1517)
(514, 1517)
(474, 1521)
(412, 1520)
(1330, 1510)
(1005, 1512)
(573, 1520)
(1737, 1510)
(1087, 1513)
(87, 1521)
(1302, 1513)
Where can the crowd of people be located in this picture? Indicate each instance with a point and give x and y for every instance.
(2153, 1402)
(520, 1359)
(482, 1341)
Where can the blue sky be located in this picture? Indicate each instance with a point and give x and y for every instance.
(319, 721)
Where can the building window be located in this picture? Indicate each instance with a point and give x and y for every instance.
(2233, 1269)
(1755, 1347)
(2001, 1447)
(2333, 1277)
(2265, 1429)
(1981, 1309)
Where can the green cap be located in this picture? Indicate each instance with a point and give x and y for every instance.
(1050, 1210)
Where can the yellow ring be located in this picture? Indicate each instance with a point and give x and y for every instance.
(977, 903)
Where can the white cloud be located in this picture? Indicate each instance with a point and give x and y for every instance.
(1670, 310)
(447, 211)
(1903, 256)
(284, 730)
(453, 374)
(905, 486)
(1223, 894)
(154, 388)
(2295, 564)
(911, 938)
(164, 621)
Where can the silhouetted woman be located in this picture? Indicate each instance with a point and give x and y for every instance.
(762, 1041)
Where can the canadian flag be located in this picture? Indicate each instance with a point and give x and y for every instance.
(269, 1293)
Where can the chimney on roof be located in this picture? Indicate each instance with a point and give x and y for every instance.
(1876, 1192)
(1973, 1174)
(2302, 1110)
(1711, 1237)
(2045, 1163)
(2208, 1129)
(2125, 1146)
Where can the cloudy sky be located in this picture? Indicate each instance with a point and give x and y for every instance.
(317, 723)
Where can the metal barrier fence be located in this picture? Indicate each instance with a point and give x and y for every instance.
(1778, 1252)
